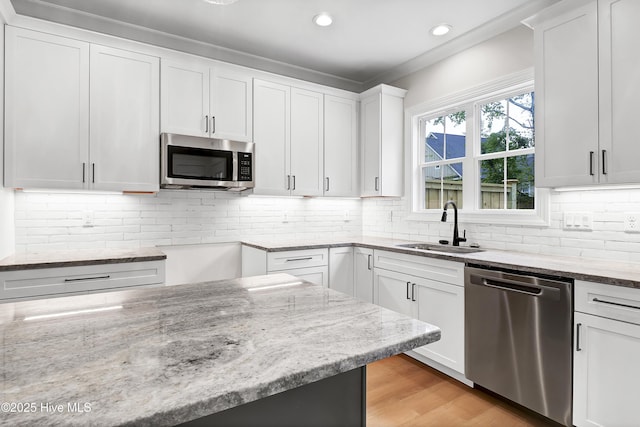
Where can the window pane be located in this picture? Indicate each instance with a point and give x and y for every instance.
(493, 127)
(445, 137)
(455, 139)
(434, 141)
(521, 123)
(520, 182)
(452, 183)
(432, 187)
(492, 184)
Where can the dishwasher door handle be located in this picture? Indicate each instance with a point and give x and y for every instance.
(519, 287)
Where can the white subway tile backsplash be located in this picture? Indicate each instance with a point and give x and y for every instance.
(55, 221)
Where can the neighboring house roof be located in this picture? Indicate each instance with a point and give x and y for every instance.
(455, 149)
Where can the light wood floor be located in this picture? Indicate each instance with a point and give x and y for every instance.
(404, 392)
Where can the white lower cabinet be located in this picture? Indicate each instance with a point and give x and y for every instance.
(79, 279)
(308, 264)
(605, 356)
(341, 270)
(432, 301)
(363, 273)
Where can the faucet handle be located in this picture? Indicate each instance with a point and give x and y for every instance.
(464, 236)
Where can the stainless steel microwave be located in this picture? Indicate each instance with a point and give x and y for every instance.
(196, 162)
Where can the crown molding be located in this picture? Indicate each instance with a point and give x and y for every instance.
(66, 16)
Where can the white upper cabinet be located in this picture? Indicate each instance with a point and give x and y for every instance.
(381, 123)
(307, 130)
(288, 133)
(79, 115)
(619, 90)
(231, 104)
(586, 92)
(124, 120)
(46, 110)
(340, 147)
(272, 136)
(205, 100)
(184, 98)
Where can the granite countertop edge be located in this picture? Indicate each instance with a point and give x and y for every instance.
(78, 258)
(486, 258)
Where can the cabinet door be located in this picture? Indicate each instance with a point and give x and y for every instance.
(442, 304)
(370, 125)
(393, 290)
(606, 372)
(272, 136)
(363, 273)
(125, 110)
(341, 270)
(619, 90)
(46, 110)
(230, 100)
(307, 139)
(566, 50)
(340, 147)
(184, 99)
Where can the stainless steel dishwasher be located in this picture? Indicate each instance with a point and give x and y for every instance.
(518, 338)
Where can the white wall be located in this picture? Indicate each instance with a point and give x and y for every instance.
(7, 232)
(503, 55)
(175, 217)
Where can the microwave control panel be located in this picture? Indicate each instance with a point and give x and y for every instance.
(245, 163)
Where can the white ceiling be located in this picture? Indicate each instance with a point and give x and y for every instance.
(368, 40)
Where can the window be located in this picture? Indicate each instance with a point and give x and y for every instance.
(480, 153)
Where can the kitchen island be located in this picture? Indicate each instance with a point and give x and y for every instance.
(171, 355)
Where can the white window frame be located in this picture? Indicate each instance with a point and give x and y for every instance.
(498, 89)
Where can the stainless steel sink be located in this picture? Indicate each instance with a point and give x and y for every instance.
(441, 248)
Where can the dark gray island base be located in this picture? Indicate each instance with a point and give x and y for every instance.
(267, 346)
(338, 401)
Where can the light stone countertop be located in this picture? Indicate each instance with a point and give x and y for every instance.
(72, 258)
(609, 272)
(176, 353)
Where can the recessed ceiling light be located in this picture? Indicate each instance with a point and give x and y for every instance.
(441, 30)
(221, 2)
(323, 19)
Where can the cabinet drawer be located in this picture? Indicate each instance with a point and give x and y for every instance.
(430, 268)
(48, 281)
(288, 260)
(614, 302)
(315, 275)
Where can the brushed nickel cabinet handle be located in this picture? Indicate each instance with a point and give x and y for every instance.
(84, 172)
(377, 186)
(413, 292)
(299, 259)
(369, 261)
(604, 162)
(616, 303)
(294, 182)
(206, 124)
(93, 173)
(578, 337)
(591, 153)
(327, 184)
(288, 182)
(408, 283)
(80, 279)
(213, 125)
